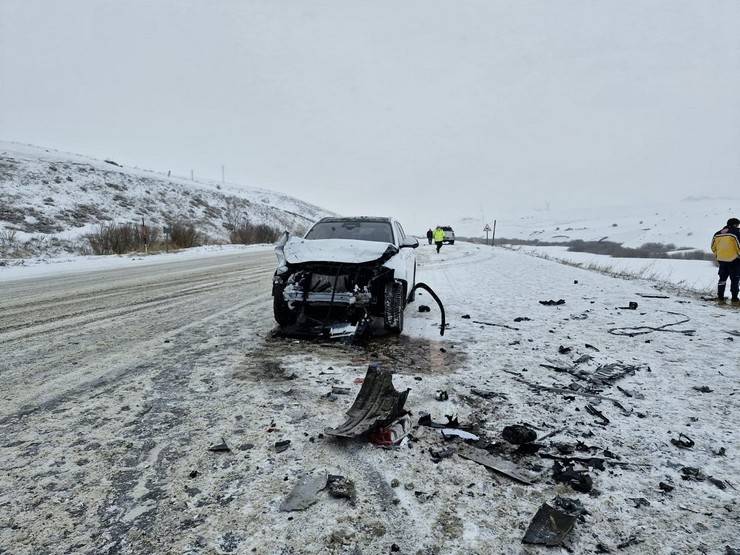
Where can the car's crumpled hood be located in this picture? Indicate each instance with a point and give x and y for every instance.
(347, 251)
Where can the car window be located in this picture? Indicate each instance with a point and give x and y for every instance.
(352, 229)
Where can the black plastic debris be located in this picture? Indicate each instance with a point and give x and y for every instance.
(336, 390)
(721, 484)
(495, 325)
(563, 350)
(424, 308)
(607, 374)
(452, 422)
(342, 487)
(376, 405)
(552, 302)
(465, 316)
(593, 462)
(219, 447)
(281, 446)
(665, 487)
(692, 474)
(528, 448)
(552, 523)
(593, 411)
(518, 434)
(522, 319)
(634, 331)
(305, 492)
(703, 389)
(683, 441)
(648, 296)
(589, 346)
(441, 453)
(443, 325)
(579, 480)
(631, 306)
(441, 395)
(486, 394)
(500, 466)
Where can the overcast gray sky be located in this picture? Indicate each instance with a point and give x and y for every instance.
(428, 110)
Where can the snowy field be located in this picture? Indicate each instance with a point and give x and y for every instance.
(116, 383)
(686, 223)
(695, 275)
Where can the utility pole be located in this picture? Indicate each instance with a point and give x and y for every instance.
(191, 176)
(223, 175)
(493, 239)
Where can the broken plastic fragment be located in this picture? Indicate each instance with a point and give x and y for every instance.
(499, 466)
(304, 493)
(377, 404)
(454, 432)
(552, 523)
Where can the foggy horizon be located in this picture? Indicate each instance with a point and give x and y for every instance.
(426, 111)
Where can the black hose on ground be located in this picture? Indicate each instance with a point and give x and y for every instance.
(429, 290)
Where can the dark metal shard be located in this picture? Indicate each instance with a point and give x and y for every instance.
(377, 404)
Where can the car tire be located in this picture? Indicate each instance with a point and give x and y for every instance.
(284, 315)
(452, 242)
(393, 301)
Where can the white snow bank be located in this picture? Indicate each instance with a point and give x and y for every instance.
(696, 275)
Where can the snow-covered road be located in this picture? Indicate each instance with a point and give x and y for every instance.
(116, 382)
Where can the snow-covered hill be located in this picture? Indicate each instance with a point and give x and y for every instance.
(686, 223)
(54, 198)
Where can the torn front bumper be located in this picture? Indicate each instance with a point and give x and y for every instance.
(293, 295)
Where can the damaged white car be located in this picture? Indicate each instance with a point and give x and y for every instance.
(344, 272)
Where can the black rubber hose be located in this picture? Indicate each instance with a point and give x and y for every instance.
(429, 290)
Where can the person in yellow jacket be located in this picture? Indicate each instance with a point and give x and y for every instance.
(726, 247)
(439, 237)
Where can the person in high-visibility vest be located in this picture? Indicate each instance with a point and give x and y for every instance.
(726, 247)
(439, 237)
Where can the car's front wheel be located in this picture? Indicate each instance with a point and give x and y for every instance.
(394, 305)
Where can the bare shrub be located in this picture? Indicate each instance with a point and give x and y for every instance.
(249, 234)
(184, 235)
(121, 238)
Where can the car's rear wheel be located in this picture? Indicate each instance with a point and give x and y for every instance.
(284, 315)
(394, 305)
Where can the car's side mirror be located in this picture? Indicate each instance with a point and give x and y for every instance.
(409, 243)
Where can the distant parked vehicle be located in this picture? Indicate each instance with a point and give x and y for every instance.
(449, 234)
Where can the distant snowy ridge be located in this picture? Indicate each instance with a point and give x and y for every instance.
(690, 223)
(54, 198)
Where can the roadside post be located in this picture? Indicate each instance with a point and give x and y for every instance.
(166, 231)
(493, 237)
(145, 236)
(487, 229)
